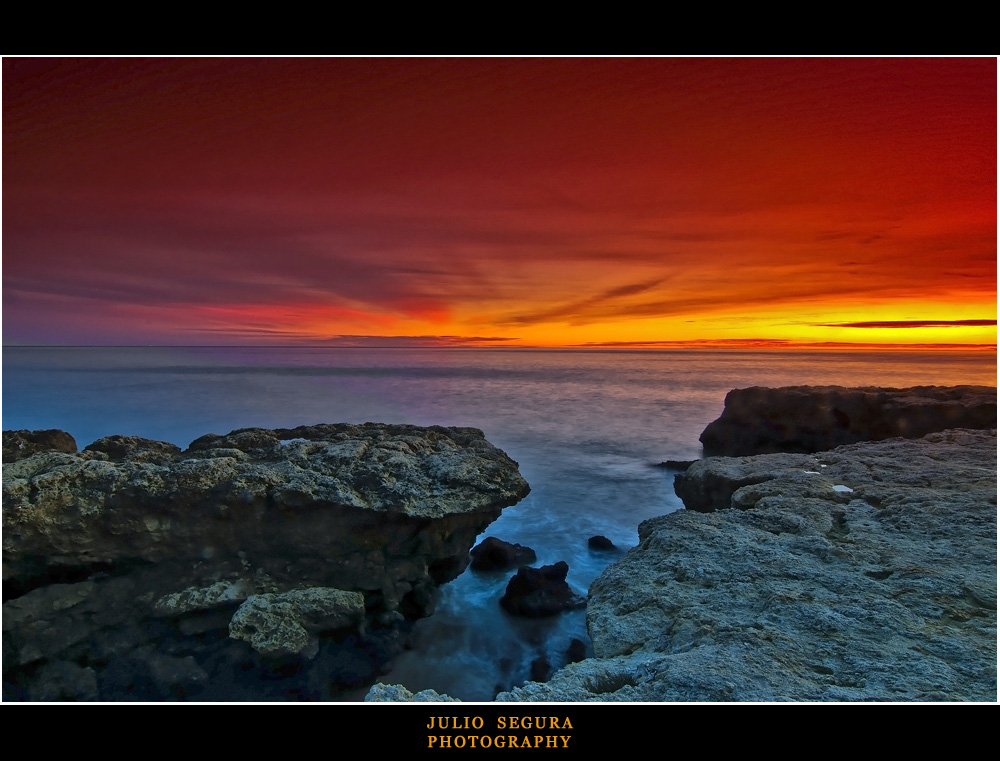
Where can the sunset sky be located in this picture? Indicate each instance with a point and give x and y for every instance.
(523, 202)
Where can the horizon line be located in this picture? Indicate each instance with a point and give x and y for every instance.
(737, 343)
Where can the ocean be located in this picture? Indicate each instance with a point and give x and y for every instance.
(588, 427)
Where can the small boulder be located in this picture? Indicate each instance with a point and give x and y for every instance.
(494, 554)
(538, 592)
(600, 543)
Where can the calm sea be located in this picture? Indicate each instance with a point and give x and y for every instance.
(587, 427)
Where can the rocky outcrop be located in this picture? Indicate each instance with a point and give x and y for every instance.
(867, 573)
(817, 418)
(266, 544)
(20, 444)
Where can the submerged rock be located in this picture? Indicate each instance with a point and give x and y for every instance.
(313, 531)
(816, 418)
(600, 543)
(883, 591)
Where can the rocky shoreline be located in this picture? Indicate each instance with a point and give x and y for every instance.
(288, 564)
(864, 572)
(260, 565)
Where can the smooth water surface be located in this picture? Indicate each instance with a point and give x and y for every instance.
(587, 427)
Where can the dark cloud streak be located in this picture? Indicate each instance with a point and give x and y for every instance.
(909, 324)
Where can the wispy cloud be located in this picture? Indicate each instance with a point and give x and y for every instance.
(582, 308)
(420, 341)
(174, 199)
(909, 324)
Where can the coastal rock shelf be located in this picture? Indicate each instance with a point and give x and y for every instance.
(816, 418)
(133, 570)
(866, 573)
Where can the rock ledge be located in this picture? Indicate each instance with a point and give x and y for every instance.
(866, 573)
(272, 540)
(816, 418)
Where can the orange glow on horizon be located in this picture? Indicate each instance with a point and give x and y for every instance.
(521, 202)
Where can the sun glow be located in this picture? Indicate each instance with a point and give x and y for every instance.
(539, 202)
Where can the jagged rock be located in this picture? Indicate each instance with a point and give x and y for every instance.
(397, 693)
(883, 589)
(20, 444)
(136, 449)
(222, 593)
(817, 418)
(494, 554)
(538, 592)
(148, 544)
(345, 506)
(592, 680)
(280, 624)
(601, 543)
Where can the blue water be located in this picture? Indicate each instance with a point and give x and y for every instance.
(587, 427)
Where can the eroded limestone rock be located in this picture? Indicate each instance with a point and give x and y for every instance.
(381, 508)
(133, 544)
(20, 444)
(884, 590)
(280, 624)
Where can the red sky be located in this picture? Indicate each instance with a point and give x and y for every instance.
(499, 201)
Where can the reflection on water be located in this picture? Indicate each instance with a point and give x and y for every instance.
(587, 427)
